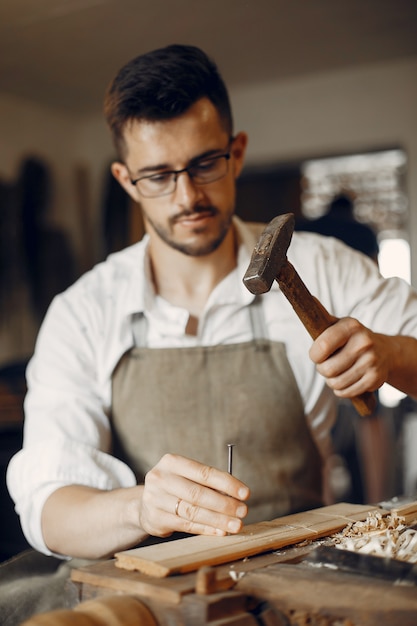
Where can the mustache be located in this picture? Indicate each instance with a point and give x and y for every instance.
(211, 210)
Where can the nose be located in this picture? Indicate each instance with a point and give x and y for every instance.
(187, 193)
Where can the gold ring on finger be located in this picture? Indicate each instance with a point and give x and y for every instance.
(177, 507)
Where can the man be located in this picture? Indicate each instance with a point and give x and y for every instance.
(339, 221)
(154, 361)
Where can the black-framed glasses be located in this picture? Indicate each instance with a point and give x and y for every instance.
(201, 171)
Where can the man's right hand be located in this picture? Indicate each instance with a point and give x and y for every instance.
(186, 496)
(178, 495)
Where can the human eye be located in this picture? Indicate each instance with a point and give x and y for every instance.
(159, 178)
(206, 165)
(155, 183)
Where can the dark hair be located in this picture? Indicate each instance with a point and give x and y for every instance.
(162, 85)
(341, 202)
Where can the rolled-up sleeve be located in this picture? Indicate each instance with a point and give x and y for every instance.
(37, 471)
(67, 431)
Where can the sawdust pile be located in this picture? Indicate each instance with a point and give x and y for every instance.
(386, 536)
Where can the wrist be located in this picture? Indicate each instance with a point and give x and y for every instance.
(132, 509)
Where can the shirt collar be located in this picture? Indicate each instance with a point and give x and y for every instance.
(141, 293)
(246, 239)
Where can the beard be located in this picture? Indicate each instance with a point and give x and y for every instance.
(201, 245)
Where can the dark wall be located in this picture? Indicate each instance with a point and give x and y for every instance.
(263, 193)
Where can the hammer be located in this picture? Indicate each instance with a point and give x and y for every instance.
(268, 263)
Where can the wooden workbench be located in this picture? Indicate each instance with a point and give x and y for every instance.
(277, 587)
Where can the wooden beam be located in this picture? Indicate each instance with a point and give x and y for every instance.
(191, 553)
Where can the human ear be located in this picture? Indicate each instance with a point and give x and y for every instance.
(238, 151)
(121, 174)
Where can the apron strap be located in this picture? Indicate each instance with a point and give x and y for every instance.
(257, 319)
(139, 329)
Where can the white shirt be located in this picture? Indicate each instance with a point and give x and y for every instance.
(88, 328)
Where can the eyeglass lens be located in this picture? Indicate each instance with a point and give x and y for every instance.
(202, 172)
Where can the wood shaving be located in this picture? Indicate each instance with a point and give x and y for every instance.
(385, 536)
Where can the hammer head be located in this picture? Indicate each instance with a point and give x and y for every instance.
(269, 254)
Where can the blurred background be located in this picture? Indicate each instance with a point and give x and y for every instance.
(327, 91)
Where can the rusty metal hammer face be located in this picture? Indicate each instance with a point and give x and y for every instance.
(269, 262)
(270, 254)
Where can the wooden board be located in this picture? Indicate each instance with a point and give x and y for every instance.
(308, 595)
(191, 553)
(107, 576)
(407, 511)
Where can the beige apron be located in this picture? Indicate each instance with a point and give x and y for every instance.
(194, 401)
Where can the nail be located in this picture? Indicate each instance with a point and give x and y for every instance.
(234, 526)
(230, 459)
(243, 493)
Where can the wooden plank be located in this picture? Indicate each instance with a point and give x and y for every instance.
(106, 575)
(307, 595)
(104, 578)
(408, 511)
(187, 555)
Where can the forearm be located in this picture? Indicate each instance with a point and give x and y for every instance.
(179, 495)
(83, 522)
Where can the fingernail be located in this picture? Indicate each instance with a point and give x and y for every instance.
(243, 493)
(241, 511)
(233, 525)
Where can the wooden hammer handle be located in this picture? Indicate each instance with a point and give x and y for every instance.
(315, 319)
